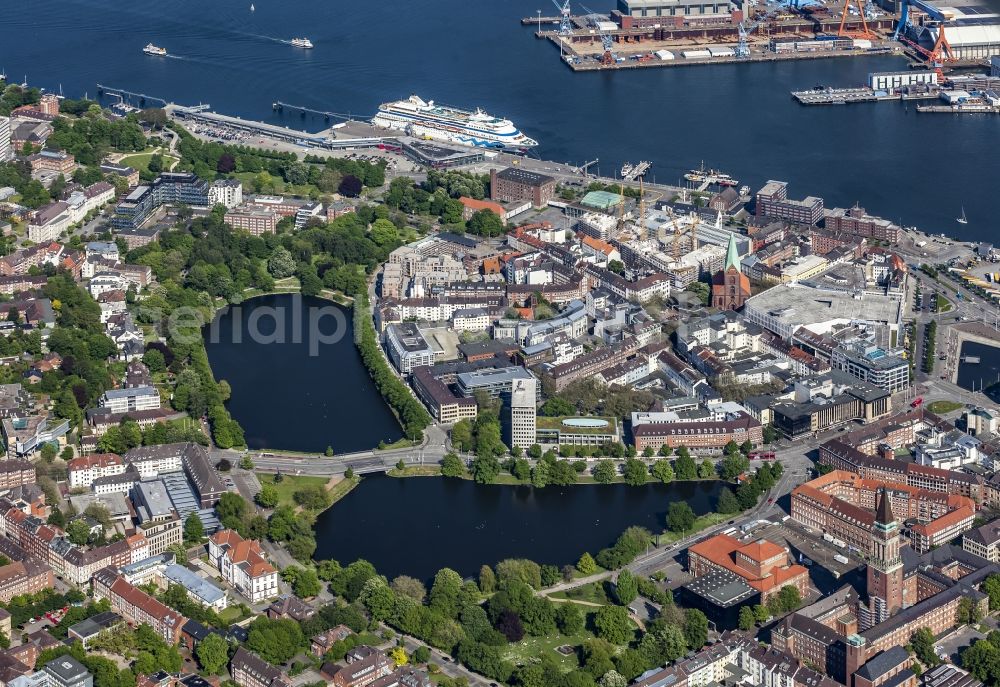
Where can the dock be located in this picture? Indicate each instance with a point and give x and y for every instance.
(970, 359)
(858, 94)
(964, 108)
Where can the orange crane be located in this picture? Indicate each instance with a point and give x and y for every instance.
(940, 53)
(865, 32)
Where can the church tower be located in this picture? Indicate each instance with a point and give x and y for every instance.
(730, 287)
(885, 567)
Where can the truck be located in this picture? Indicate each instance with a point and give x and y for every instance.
(827, 536)
(841, 558)
(839, 543)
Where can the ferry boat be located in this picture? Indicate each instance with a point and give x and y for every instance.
(154, 50)
(301, 42)
(425, 119)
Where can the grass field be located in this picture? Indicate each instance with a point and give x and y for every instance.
(700, 523)
(141, 161)
(594, 593)
(416, 471)
(941, 407)
(290, 484)
(534, 647)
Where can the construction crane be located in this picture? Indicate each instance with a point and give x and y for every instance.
(904, 16)
(607, 41)
(937, 55)
(865, 32)
(743, 47)
(565, 25)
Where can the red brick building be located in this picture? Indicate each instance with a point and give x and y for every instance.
(763, 565)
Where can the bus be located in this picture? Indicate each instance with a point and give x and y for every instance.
(761, 455)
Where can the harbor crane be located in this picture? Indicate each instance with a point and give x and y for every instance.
(607, 41)
(865, 32)
(904, 16)
(565, 25)
(743, 47)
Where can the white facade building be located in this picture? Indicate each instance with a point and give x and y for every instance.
(228, 192)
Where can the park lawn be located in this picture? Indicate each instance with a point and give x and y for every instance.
(535, 647)
(292, 483)
(700, 523)
(941, 407)
(589, 593)
(399, 443)
(140, 161)
(231, 615)
(943, 304)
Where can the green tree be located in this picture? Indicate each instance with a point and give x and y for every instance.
(586, 564)
(451, 466)
(626, 587)
(991, 587)
(569, 619)
(78, 532)
(695, 628)
(733, 465)
(276, 641)
(727, 504)
(684, 466)
(680, 517)
(444, 596)
(968, 611)
(982, 659)
(612, 624)
(922, 643)
(635, 472)
(212, 653)
(281, 264)
(706, 470)
(747, 619)
(267, 497)
(790, 597)
(485, 223)
(761, 613)
(194, 530)
(487, 580)
(663, 471)
(605, 472)
(485, 468)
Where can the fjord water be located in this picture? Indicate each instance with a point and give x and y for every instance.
(418, 525)
(908, 167)
(284, 395)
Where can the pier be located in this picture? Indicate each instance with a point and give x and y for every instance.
(970, 359)
(123, 94)
(279, 106)
(859, 94)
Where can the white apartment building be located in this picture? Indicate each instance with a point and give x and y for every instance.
(127, 400)
(84, 470)
(243, 565)
(228, 192)
(522, 413)
(6, 152)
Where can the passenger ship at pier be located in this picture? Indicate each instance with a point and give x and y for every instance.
(425, 119)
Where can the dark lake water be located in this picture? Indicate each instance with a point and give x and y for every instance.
(299, 384)
(918, 169)
(463, 524)
(982, 374)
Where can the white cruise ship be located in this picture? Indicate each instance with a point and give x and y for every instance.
(154, 50)
(301, 42)
(424, 119)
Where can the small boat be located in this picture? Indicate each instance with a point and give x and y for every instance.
(963, 219)
(151, 49)
(252, 8)
(301, 42)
